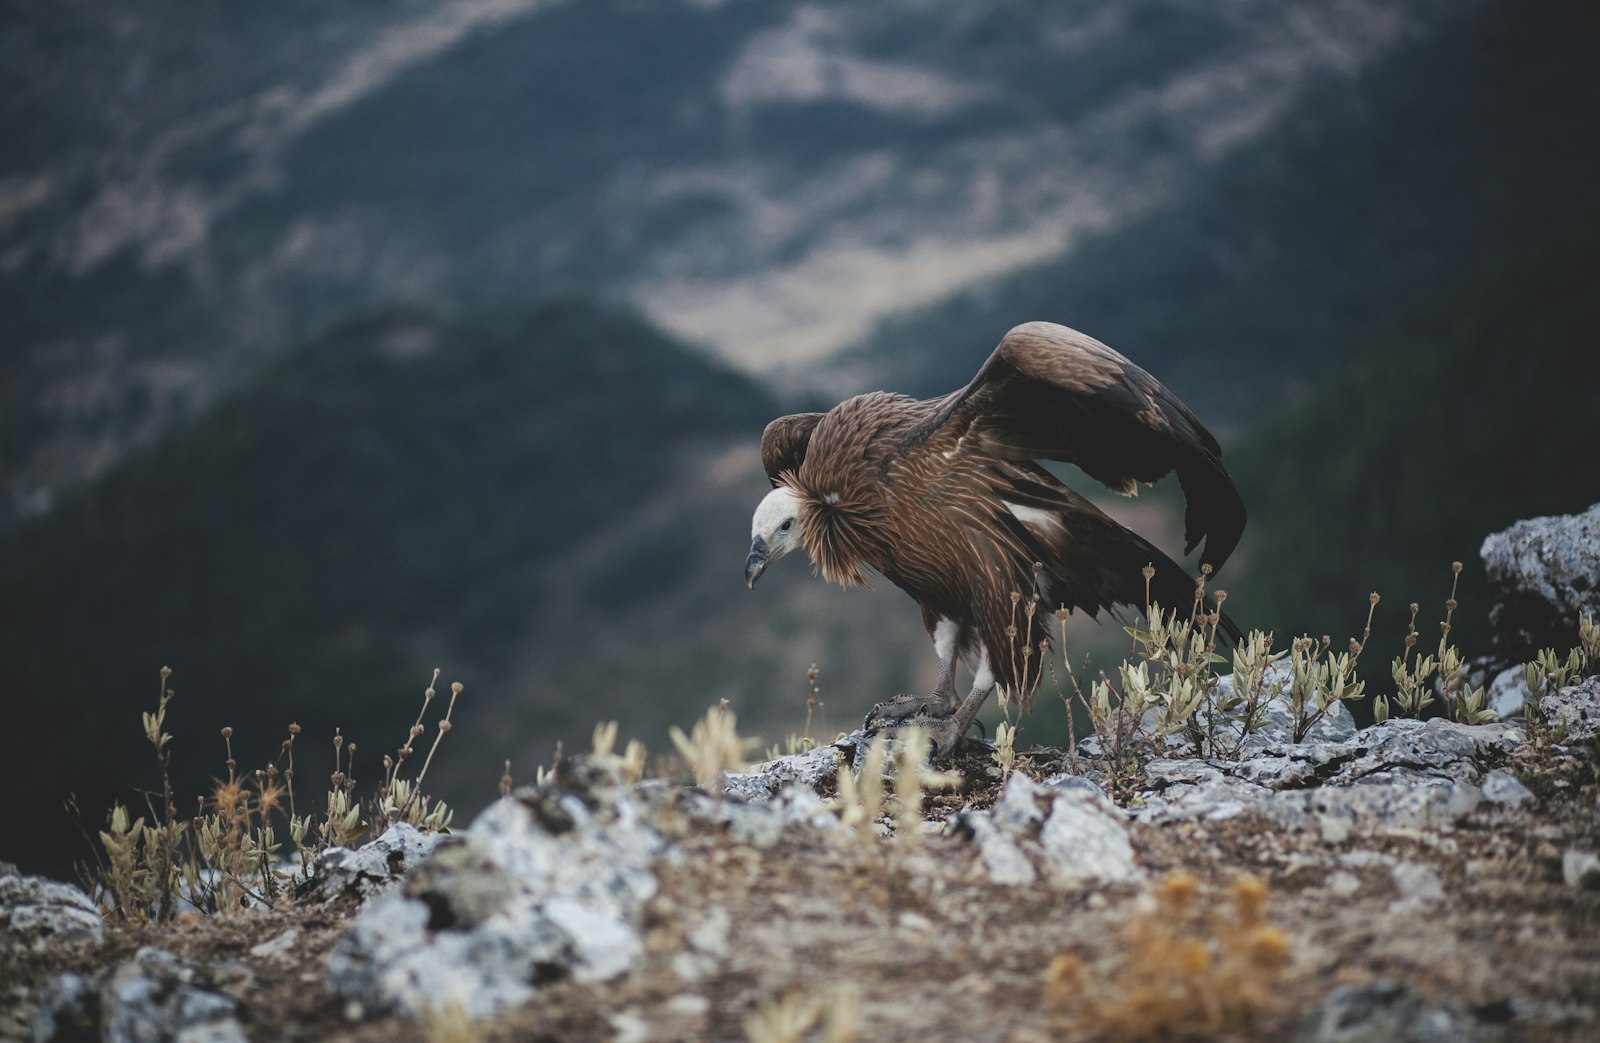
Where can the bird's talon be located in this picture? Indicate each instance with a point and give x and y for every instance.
(897, 711)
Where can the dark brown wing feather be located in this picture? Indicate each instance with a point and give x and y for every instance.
(784, 442)
(1091, 562)
(1052, 393)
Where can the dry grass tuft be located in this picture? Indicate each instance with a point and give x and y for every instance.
(713, 746)
(791, 1018)
(231, 855)
(1189, 970)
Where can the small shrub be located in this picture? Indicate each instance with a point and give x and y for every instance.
(1188, 970)
(231, 854)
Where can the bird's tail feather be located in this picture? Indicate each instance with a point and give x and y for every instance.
(1091, 562)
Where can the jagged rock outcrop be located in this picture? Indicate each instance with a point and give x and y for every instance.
(546, 884)
(1064, 830)
(153, 996)
(363, 872)
(1543, 573)
(36, 913)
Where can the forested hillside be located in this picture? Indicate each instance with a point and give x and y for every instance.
(1386, 305)
(380, 501)
(186, 194)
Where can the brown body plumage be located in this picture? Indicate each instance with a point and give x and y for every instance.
(943, 497)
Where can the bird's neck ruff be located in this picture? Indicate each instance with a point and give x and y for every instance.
(839, 533)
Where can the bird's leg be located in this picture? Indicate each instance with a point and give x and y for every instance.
(944, 728)
(940, 702)
(946, 732)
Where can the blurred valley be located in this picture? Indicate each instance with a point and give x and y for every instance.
(346, 341)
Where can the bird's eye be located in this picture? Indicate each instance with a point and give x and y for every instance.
(788, 523)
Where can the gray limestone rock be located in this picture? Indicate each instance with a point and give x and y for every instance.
(1384, 1012)
(36, 913)
(765, 781)
(68, 1008)
(548, 884)
(154, 997)
(1502, 788)
(795, 811)
(1399, 775)
(1581, 869)
(1002, 856)
(1508, 693)
(1543, 572)
(159, 996)
(1575, 710)
(1084, 839)
(363, 872)
(1065, 830)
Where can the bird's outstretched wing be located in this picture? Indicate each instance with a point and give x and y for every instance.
(1052, 393)
(784, 442)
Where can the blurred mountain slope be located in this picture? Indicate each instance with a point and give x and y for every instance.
(1451, 149)
(1471, 411)
(406, 491)
(1387, 303)
(192, 191)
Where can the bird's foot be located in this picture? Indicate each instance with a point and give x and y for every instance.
(905, 709)
(894, 718)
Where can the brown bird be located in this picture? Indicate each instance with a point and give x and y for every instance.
(944, 497)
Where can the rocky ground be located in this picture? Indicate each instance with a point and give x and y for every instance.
(1416, 880)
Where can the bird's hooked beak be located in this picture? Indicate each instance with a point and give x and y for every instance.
(756, 563)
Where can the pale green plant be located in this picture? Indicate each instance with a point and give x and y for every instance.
(860, 798)
(396, 805)
(1320, 679)
(1466, 701)
(1548, 672)
(1005, 748)
(407, 803)
(630, 764)
(792, 1017)
(1589, 642)
(1413, 693)
(912, 779)
(230, 853)
(792, 745)
(1552, 672)
(1169, 686)
(713, 746)
(450, 1022)
(1247, 703)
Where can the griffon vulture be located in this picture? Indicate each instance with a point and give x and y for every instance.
(944, 497)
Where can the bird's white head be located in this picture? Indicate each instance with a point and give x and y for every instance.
(774, 531)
